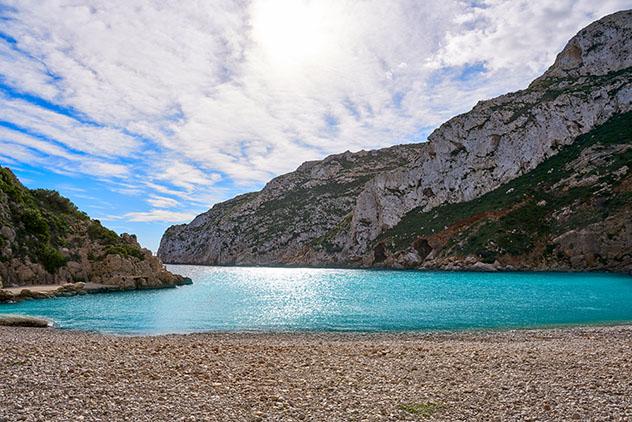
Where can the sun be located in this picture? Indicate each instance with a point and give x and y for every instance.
(293, 32)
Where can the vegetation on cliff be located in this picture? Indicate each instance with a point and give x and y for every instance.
(586, 183)
(45, 238)
(44, 222)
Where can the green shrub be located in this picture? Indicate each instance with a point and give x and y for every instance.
(424, 410)
(53, 201)
(125, 251)
(35, 224)
(99, 233)
(51, 259)
(10, 185)
(531, 188)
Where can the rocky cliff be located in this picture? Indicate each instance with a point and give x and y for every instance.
(572, 212)
(45, 239)
(382, 220)
(275, 224)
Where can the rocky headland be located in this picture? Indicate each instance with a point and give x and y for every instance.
(49, 248)
(538, 179)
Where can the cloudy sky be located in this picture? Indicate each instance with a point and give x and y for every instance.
(145, 113)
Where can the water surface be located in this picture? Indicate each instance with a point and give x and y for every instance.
(280, 299)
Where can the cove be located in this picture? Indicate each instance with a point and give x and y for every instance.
(284, 299)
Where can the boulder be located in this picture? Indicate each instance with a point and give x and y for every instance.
(24, 321)
(6, 296)
(485, 267)
(8, 233)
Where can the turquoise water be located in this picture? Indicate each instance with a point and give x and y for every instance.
(246, 299)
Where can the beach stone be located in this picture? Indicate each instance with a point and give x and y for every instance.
(23, 321)
(486, 375)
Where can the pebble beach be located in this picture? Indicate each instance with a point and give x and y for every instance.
(548, 374)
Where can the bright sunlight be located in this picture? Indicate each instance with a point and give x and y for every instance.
(295, 33)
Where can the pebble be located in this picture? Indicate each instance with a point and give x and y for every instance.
(555, 374)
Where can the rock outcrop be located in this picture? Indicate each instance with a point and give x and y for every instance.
(23, 321)
(503, 138)
(572, 212)
(277, 224)
(45, 239)
(303, 218)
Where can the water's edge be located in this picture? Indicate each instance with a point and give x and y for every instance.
(250, 300)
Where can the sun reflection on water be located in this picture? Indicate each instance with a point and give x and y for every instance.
(245, 299)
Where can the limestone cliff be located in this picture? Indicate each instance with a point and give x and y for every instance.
(303, 218)
(572, 212)
(503, 138)
(277, 224)
(45, 239)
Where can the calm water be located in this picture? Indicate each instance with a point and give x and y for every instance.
(229, 299)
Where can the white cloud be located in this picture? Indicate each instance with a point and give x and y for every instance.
(162, 201)
(101, 141)
(184, 175)
(22, 71)
(159, 215)
(34, 143)
(195, 100)
(220, 83)
(32, 150)
(519, 37)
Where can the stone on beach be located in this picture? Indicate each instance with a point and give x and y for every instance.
(23, 321)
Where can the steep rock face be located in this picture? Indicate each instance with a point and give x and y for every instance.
(471, 155)
(278, 223)
(503, 138)
(572, 212)
(600, 48)
(45, 239)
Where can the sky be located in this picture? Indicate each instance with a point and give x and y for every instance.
(146, 113)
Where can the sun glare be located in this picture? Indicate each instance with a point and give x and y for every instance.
(293, 32)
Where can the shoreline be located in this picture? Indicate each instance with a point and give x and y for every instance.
(543, 374)
(9, 295)
(420, 334)
(351, 335)
(348, 333)
(331, 332)
(464, 269)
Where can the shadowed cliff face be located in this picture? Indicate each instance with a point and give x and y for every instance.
(325, 221)
(278, 223)
(45, 239)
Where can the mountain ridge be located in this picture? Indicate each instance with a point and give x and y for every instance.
(467, 157)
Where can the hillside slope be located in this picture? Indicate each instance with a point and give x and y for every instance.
(273, 225)
(45, 239)
(572, 212)
(507, 136)
(469, 156)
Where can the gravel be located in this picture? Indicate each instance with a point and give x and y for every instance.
(553, 374)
